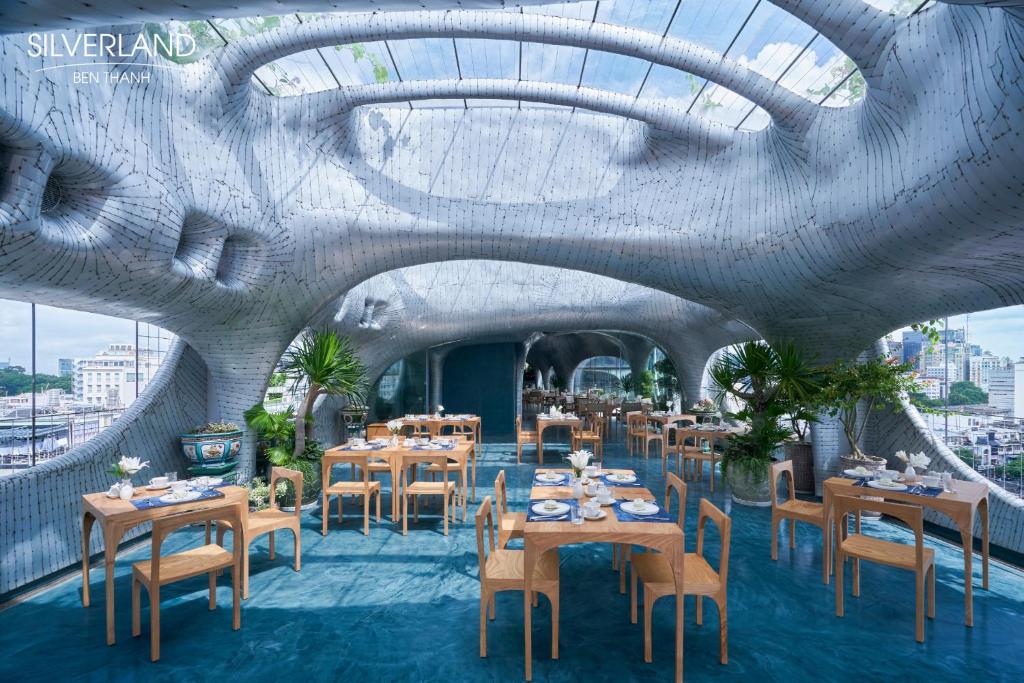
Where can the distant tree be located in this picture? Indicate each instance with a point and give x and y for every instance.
(14, 380)
(966, 393)
(1013, 469)
(965, 454)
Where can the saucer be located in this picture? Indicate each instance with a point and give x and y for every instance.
(601, 514)
(171, 498)
(154, 487)
(623, 478)
(645, 509)
(559, 509)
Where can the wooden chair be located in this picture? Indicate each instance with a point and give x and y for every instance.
(796, 510)
(593, 436)
(636, 430)
(366, 488)
(915, 558)
(650, 434)
(693, 457)
(523, 438)
(699, 578)
(461, 466)
(255, 524)
(444, 488)
(502, 570)
(207, 559)
(510, 524)
(620, 560)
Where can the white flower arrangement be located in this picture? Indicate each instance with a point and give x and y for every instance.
(919, 460)
(127, 467)
(579, 460)
(440, 408)
(394, 426)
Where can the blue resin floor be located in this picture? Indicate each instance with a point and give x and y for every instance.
(394, 608)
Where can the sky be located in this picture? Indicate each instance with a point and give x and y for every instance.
(1000, 330)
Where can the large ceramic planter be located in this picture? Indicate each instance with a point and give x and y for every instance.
(873, 463)
(747, 489)
(802, 455)
(211, 452)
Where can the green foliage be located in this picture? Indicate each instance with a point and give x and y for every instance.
(14, 380)
(1013, 469)
(259, 492)
(965, 454)
(880, 382)
(770, 383)
(215, 428)
(558, 382)
(643, 385)
(667, 380)
(852, 89)
(278, 379)
(276, 431)
(966, 393)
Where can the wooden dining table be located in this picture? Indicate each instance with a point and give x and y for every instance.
(664, 420)
(394, 456)
(968, 499)
(116, 517)
(546, 421)
(434, 424)
(539, 537)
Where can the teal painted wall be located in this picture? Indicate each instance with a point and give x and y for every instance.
(481, 379)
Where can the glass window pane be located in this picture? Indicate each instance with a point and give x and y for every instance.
(15, 386)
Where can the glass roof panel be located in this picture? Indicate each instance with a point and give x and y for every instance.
(771, 40)
(722, 105)
(206, 39)
(710, 24)
(818, 70)
(556, 63)
(425, 59)
(481, 58)
(360, 63)
(901, 8)
(672, 84)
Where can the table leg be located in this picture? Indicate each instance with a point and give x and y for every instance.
(111, 538)
(87, 521)
(540, 443)
(394, 490)
(677, 574)
(529, 561)
(472, 464)
(967, 538)
(983, 511)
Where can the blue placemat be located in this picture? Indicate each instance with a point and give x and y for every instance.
(531, 516)
(564, 481)
(372, 447)
(611, 482)
(449, 447)
(916, 489)
(661, 516)
(155, 502)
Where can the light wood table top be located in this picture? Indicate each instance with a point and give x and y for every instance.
(544, 421)
(539, 537)
(116, 517)
(961, 505)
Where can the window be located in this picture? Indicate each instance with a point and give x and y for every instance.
(63, 381)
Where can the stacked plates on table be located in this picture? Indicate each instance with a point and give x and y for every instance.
(550, 477)
(546, 510)
(887, 486)
(175, 498)
(642, 509)
(621, 478)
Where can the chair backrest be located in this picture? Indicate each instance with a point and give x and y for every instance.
(295, 477)
(413, 458)
(377, 430)
(163, 527)
(636, 420)
(674, 483)
(911, 515)
(465, 429)
(501, 493)
(484, 516)
(724, 523)
(781, 469)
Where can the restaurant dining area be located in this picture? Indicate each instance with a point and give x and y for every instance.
(618, 340)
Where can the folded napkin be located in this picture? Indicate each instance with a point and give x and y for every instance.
(623, 516)
(155, 502)
(563, 480)
(532, 516)
(611, 482)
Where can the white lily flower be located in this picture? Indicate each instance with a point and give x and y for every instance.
(901, 455)
(394, 426)
(132, 465)
(580, 459)
(920, 460)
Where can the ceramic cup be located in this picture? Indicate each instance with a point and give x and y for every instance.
(592, 488)
(592, 508)
(590, 471)
(179, 488)
(359, 441)
(931, 482)
(550, 505)
(158, 481)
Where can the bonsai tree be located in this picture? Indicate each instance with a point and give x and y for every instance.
(878, 382)
(327, 363)
(768, 382)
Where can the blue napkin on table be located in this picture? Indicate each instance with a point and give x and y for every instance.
(155, 502)
(532, 516)
(623, 516)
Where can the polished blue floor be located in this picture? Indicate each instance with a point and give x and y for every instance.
(394, 608)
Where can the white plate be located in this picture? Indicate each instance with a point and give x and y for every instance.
(622, 478)
(854, 473)
(645, 509)
(171, 498)
(875, 484)
(611, 501)
(365, 447)
(601, 514)
(154, 487)
(215, 481)
(541, 511)
(550, 476)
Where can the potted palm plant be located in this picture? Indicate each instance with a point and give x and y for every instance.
(872, 385)
(765, 380)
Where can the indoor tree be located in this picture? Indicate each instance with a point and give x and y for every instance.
(329, 366)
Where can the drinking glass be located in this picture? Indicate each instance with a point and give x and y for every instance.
(575, 514)
(171, 476)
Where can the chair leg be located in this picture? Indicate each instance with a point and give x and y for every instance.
(366, 514)
(324, 516)
(775, 537)
(483, 624)
(839, 584)
(723, 630)
(136, 608)
(648, 609)
(856, 577)
(615, 556)
(447, 502)
(154, 623)
(341, 503)
(712, 474)
(245, 570)
(919, 606)
(298, 547)
(792, 533)
(519, 453)
(236, 607)
(379, 491)
(700, 610)
(405, 515)
(931, 592)
(213, 591)
(493, 613)
(271, 535)
(627, 552)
